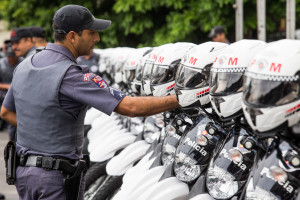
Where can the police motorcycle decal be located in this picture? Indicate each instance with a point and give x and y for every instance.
(190, 155)
(229, 169)
(276, 175)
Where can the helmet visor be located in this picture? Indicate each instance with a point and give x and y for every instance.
(147, 70)
(138, 72)
(129, 74)
(264, 93)
(162, 74)
(191, 78)
(224, 83)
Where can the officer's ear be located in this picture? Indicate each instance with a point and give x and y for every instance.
(71, 36)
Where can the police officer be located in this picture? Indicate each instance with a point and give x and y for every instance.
(217, 34)
(7, 67)
(22, 43)
(38, 36)
(91, 60)
(48, 100)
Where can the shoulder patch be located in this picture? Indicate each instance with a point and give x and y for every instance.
(100, 82)
(117, 93)
(86, 77)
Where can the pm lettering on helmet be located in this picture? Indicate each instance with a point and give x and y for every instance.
(193, 60)
(253, 62)
(232, 61)
(275, 68)
(161, 59)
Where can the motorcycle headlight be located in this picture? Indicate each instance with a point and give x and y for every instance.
(186, 168)
(258, 193)
(160, 123)
(278, 174)
(170, 129)
(159, 116)
(220, 183)
(168, 154)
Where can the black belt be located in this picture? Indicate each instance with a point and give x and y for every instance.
(49, 163)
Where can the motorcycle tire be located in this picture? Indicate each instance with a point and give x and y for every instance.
(108, 188)
(94, 172)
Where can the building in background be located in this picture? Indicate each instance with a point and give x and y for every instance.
(4, 33)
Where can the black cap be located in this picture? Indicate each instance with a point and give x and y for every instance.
(216, 30)
(18, 33)
(8, 48)
(77, 18)
(37, 31)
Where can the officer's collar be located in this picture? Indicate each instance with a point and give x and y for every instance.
(29, 51)
(60, 49)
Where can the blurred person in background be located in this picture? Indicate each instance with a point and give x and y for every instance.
(91, 60)
(217, 34)
(2, 49)
(38, 36)
(22, 43)
(7, 67)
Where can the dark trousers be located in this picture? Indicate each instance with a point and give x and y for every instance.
(35, 183)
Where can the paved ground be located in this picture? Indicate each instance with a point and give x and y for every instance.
(8, 190)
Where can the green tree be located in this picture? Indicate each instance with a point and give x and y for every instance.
(138, 23)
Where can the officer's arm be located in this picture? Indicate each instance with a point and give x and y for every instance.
(9, 116)
(145, 106)
(4, 86)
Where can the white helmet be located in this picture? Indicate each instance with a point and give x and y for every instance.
(120, 56)
(103, 60)
(130, 65)
(226, 77)
(271, 97)
(146, 73)
(165, 67)
(137, 81)
(193, 74)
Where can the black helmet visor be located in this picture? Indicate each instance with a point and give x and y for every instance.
(273, 91)
(191, 78)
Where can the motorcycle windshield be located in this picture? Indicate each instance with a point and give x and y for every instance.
(191, 78)
(268, 93)
(162, 74)
(224, 83)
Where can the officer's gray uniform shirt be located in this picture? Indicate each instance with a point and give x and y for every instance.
(78, 88)
(31, 52)
(6, 70)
